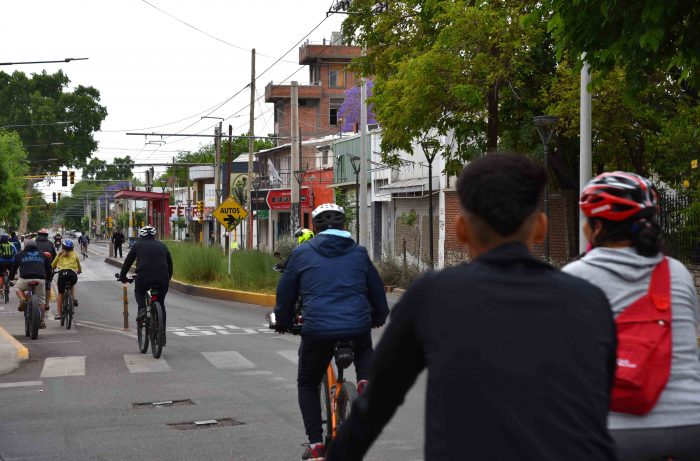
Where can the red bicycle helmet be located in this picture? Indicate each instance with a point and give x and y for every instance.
(619, 196)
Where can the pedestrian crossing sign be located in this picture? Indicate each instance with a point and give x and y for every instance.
(230, 213)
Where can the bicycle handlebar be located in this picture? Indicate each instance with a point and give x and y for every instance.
(127, 278)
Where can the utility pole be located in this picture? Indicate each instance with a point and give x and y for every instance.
(295, 157)
(585, 156)
(227, 180)
(363, 165)
(173, 178)
(251, 151)
(217, 179)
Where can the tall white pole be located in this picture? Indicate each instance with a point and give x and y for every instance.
(585, 156)
(363, 165)
(294, 120)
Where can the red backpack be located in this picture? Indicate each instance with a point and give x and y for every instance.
(644, 347)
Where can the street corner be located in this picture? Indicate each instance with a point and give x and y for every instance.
(12, 352)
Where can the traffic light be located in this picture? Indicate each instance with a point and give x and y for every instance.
(200, 208)
(54, 197)
(72, 177)
(64, 178)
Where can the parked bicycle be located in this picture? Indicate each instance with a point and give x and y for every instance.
(32, 312)
(152, 328)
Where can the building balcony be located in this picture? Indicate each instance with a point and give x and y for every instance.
(309, 52)
(274, 91)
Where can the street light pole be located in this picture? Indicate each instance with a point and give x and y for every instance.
(356, 164)
(430, 149)
(545, 128)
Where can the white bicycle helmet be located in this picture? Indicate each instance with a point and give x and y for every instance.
(328, 216)
(147, 230)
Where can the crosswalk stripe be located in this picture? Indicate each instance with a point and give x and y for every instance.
(290, 354)
(228, 360)
(63, 366)
(142, 363)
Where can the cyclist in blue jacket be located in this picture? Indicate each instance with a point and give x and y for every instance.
(343, 298)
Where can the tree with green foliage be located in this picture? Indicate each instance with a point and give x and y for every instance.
(641, 37)
(39, 213)
(13, 168)
(119, 169)
(32, 105)
(71, 208)
(470, 68)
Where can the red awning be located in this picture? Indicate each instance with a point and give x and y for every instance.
(141, 195)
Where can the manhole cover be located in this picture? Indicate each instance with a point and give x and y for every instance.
(163, 404)
(205, 424)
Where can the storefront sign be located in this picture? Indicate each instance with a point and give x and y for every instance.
(281, 199)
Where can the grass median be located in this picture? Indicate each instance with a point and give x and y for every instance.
(251, 270)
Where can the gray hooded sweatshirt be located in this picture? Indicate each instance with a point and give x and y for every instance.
(624, 276)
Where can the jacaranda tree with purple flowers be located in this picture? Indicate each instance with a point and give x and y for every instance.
(349, 111)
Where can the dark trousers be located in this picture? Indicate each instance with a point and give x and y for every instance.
(314, 356)
(141, 286)
(118, 249)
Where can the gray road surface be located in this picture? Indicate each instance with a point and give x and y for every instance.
(74, 399)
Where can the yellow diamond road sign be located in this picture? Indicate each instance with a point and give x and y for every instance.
(230, 213)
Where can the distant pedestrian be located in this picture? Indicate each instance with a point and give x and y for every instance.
(118, 241)
(520, 356)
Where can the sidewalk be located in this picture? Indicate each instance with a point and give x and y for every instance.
(12, 352)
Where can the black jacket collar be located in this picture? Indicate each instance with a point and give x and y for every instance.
(509, 253)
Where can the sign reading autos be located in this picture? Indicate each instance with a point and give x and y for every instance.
(281, 199)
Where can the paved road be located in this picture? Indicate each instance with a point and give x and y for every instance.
(75, 398)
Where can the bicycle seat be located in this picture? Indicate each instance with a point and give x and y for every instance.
(344, 354)
(33, 283)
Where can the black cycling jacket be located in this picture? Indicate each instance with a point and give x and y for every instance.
(152, 259)
(520, 361)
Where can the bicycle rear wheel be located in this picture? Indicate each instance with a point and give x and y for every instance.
(348, 395)
(34, 315)
(326, 424)
(67, 310)
(6, 289)
(157, 329)
(27, 322)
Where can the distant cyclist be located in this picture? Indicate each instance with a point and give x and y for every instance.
(57, 238)
(154, 266)
(343, 298)
(7, 256)
(49, 250)
(84, 241)
(302, 235)
(67, 263)
(32, 266)
(15, 241)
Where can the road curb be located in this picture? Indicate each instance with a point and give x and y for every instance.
(12, 352)
(248, 297)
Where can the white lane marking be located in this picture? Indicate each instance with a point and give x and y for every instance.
(142, 363)
(290, 354)
(254, 373)
(53, 342)
(63, 366)
(228, 359)
(21, 384)
(99, 326)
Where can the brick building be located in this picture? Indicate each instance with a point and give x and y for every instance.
(322, 96)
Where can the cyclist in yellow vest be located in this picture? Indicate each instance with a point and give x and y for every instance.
(68, 264)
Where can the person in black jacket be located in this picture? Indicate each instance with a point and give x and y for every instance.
(47, 247)
(520, 356)
(118, 241)
(154, 266)
(343, 298)
(31, 265)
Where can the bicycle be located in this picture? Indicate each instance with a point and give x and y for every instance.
(67, 307)
(152, 328)
(32, 311)
(6, 285)
(337, 393)
(83, 250)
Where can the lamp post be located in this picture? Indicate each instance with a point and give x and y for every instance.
(430, 148)
(299, 176)
(257, 182)
(355, 162)
(545, 128)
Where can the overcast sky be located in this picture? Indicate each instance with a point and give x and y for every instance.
(153, 70)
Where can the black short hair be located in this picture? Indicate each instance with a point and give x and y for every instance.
(503, 190)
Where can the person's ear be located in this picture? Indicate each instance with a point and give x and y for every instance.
(539, 228)
(462, 229)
